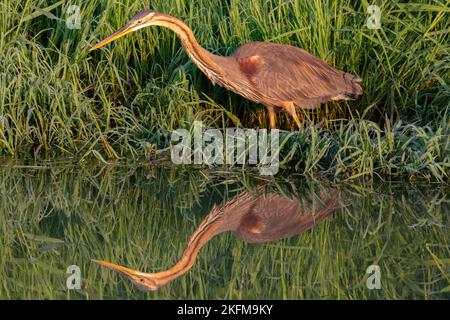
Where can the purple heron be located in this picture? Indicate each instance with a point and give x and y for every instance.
(281, 77)
(253, 218)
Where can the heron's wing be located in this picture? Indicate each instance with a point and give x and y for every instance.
(275, 216)
(288, 73)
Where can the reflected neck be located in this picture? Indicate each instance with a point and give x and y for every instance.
(210, 227)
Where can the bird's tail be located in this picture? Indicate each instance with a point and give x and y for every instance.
(352, 88)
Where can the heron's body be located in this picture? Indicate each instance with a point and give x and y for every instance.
(253, 218)
(281, 77)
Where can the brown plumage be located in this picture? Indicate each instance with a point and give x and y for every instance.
(253, 217)
(281, 77)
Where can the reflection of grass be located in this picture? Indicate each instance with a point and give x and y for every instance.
(55, 98)
(52, 219)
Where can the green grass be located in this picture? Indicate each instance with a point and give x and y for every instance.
(58, 100)
(55, 216)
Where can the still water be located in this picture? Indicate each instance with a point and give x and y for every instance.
(58, 216)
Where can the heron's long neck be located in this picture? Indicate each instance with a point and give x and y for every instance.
(210, 227)
(199, 55)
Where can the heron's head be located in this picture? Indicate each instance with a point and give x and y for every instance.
(141, 20)
(143, 281)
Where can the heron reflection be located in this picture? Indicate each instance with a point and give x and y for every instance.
(254, 217)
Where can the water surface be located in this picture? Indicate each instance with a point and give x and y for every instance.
(58, 215)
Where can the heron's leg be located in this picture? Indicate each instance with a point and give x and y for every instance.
(271, 117)
(290, 107)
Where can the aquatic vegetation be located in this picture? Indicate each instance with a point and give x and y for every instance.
(58, 100)
(84, 137)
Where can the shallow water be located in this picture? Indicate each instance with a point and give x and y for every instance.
(56, 216)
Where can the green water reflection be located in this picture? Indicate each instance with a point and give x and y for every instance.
(56, 216)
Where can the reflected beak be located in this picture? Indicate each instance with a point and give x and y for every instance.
(116, 35)
(129, 273)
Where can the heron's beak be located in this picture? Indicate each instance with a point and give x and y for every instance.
(126, 272)
(116, 35)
